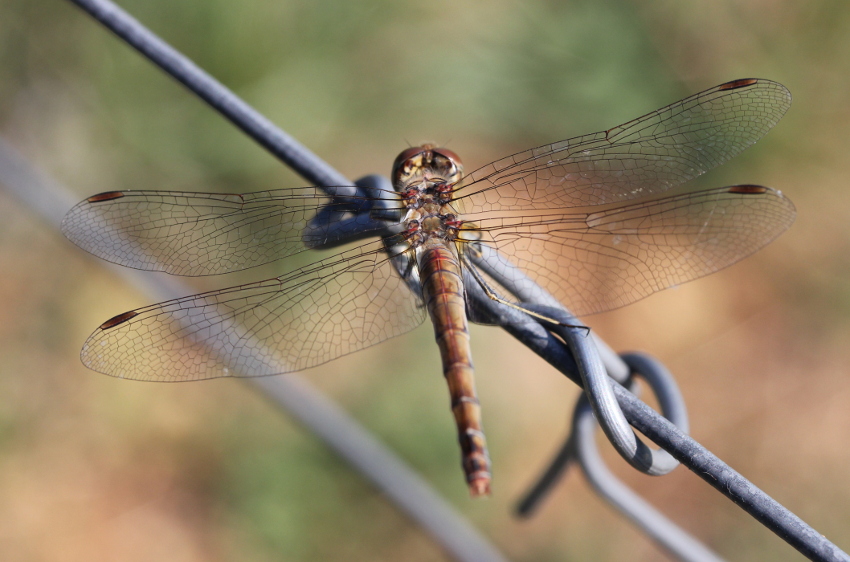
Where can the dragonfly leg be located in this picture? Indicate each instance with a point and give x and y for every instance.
(493, 295)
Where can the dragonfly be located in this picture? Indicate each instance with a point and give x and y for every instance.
(591, 220)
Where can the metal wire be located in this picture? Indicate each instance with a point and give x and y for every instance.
(583, 446)
(689, 452)
(598, 387)
(672, 405)
(537, 337)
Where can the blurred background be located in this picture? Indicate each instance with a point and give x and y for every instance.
(93, 468)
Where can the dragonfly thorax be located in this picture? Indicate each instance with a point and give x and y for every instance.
(425, 177)
(431, 222)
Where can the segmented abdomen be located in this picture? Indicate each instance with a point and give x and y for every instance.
(442, 292)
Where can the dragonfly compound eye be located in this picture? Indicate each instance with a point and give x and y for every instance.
(408, 163)
(449, 155)
(448, 165)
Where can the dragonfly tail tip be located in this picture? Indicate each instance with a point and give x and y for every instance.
(479, 487)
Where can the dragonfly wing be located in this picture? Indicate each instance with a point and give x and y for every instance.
(313, 315)
(194, 233)
(645, 156)
(619, 254)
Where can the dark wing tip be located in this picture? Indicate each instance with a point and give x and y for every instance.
(106, 196)
(735, 84)
(748, 189)
(116, 320)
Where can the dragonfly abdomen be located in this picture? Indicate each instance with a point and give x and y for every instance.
(442, 288)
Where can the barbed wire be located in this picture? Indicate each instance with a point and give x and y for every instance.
(581, 357)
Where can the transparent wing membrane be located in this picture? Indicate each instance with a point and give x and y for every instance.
(613, 256)
(308, 317)
(198, 233)
(586, 218)
(646, 156)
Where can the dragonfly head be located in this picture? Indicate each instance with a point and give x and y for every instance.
(426, 162)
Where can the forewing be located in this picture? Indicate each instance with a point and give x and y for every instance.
(645, 156)
(195, 233)
(312, 315)
(606, 259)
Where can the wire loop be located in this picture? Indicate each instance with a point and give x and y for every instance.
(670, 399)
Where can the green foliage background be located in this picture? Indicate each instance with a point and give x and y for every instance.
(98, 469)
